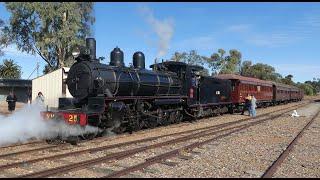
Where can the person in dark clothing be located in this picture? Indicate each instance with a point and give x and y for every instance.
(29, 96)
(11, 99)
(247, 105)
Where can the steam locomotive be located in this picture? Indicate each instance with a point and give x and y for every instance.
(118, 98)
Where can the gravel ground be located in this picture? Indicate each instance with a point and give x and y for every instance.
(304, 159)
(160, 170)
(4, 107)
(246, 154)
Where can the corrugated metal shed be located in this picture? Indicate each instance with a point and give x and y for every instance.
(52, 86)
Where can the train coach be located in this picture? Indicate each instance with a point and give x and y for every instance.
(242, 86)
(266, 92)
(281, 93)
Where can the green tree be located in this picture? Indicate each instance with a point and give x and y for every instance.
(192, 58)
(9, 69)
(221, 64)
(50, 29)
(179, 57)
(4, 41)
(288, 80)
(246, 69)
(260, 71)
(216, 61)
(308, 88)
(315, 84)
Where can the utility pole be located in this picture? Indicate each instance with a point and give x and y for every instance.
(37, 68)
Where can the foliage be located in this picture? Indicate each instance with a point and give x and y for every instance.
(9, 69)
(191, 58)
(288, 80)
(4, 41)
(260, 71)
(308, 89)
(221, 64)
(50, 29)
(315, 84)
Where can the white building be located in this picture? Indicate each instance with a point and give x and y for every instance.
(53, 86)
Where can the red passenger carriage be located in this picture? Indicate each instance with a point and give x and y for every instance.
(242, 86)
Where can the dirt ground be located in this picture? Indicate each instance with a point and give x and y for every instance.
(4, 107)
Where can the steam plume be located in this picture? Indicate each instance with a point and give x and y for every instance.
(26, 123)
(164, 29)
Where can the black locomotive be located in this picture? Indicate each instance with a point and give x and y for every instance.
(118, 98)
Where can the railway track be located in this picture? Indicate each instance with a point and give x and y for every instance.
(159, 158)
(101, 139)
(277, 163)
(21, 144)
(204, 133)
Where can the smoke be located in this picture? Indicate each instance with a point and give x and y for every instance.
(26, 124)
(164, 29)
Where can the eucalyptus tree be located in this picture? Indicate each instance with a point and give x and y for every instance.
(50, 29)
(221, 64)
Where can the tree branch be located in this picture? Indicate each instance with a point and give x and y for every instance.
(39, 53)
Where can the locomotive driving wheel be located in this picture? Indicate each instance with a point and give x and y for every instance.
(179, 117)
(54, 141)
(89, 136)
(172, 117)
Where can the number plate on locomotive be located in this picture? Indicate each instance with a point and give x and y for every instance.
(48, 115)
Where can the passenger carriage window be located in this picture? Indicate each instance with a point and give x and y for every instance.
(258, 88)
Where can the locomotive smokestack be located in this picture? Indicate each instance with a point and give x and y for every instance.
(91, 45)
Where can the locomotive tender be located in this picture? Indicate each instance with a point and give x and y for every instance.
(118, 98)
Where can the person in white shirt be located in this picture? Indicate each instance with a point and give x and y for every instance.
(40, 98)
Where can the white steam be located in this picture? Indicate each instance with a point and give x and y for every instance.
(26, 123)
(164, 29)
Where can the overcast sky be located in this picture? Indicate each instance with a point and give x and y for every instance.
(284, 35)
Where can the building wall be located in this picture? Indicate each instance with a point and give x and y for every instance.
(51, 86)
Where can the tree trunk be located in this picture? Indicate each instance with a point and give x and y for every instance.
(60, 57)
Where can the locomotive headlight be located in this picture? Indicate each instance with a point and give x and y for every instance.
(76, 52)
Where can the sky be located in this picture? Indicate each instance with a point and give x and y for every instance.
(283, 35)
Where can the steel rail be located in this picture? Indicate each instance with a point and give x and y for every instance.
(127, 153)
(92, 150)
(176, 152)
(21, 144)
(277, 163)
(27, 151)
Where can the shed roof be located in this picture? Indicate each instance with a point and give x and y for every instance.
(65, 70)
(15, 83)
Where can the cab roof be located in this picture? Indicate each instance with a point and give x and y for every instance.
(176, 63)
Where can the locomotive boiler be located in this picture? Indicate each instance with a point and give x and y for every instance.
(90, 78)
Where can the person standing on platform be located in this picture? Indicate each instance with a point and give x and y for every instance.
(247, 105)
(11, 99)
(253, 106)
